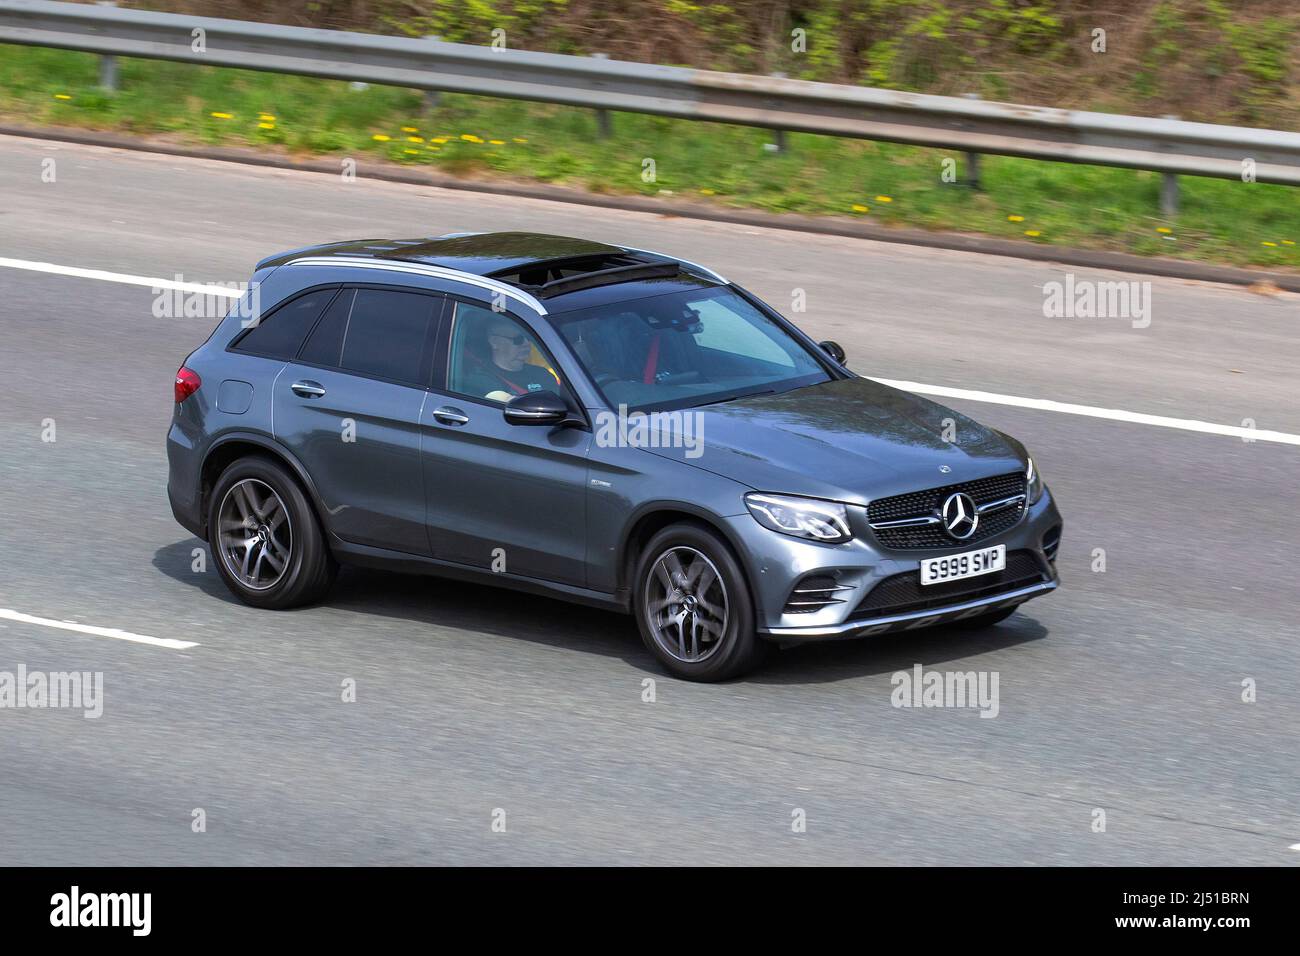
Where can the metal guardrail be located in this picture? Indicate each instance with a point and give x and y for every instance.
(967, 125)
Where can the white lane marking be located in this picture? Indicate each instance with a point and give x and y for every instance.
(942, 391)
(112, 632)
(153, 283)
(1091, 411)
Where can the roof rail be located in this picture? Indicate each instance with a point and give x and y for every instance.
(418, 268)
(703, 270)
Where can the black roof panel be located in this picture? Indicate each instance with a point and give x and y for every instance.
(527, 260)
(476, 253)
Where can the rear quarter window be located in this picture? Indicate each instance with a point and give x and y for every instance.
(280, 334)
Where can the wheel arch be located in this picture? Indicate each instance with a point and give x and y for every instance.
(653, 517)
(232, 446)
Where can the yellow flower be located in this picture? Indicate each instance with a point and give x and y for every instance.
(62, 96)
(883, 199)
(266, 126)
(266, 117)
(434, 148)
(1015, 218)
(1267, 243)
(470, 138)
(1287, 242)
(1032, 233)
(410, 129)
(440, 139)
(1164, 229)
(859, 208)
(380, 138)
(415, 139)
(497, 142)
(412, 152)
(520, 139)
(222, 115)
(706, 192)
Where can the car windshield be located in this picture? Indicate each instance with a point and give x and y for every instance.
(683, 349)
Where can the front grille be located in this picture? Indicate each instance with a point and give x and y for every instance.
(904, 593)
(815, 593)
(919, 504)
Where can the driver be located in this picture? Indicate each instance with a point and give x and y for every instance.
(508, 373)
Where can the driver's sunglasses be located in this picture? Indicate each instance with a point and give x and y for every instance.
(515, 340)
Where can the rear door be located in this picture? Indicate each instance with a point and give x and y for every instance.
(502, 497)
(349, 407)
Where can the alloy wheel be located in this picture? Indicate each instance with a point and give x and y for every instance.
(686, 605)
(255, 534)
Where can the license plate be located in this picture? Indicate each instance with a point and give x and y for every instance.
(967, 565)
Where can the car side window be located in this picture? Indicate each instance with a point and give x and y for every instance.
(279, 334)
(383, 333)
(495, 357)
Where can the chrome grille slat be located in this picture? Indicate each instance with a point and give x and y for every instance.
(815, 593)
(910, 521)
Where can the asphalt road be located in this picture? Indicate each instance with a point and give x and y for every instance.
(1121, 692)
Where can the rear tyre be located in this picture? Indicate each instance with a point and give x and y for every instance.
(265, 539)
(693, 607)
(986, 620)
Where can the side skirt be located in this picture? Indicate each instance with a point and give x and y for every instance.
(384, 560)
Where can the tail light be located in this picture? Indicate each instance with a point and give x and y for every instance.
(187, 383)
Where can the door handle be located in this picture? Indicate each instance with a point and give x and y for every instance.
(307, 389)
(450, 416)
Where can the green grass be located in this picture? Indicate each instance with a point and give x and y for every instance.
(1086, 206)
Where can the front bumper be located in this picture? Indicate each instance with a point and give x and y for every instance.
(777, 564)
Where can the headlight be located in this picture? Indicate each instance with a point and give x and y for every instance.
(810, 518)
(1033, 482)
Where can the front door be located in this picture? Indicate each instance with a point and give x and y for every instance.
(502, 497)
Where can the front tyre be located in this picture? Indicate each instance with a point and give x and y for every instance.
(265, 539)
(693, 606)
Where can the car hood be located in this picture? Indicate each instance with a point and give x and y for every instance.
(850, 440)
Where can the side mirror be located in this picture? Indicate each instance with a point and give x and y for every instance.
(834, 350)
(536, 408)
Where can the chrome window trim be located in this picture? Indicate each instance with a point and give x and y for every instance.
(435, 272)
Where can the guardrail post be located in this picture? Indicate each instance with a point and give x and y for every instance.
(778, 135)
(432, 97)
(107, 64)
(604, 124)
(973, 173)
(1169, 188)
(1169, 195)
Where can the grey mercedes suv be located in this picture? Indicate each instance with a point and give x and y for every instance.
(596, 423)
